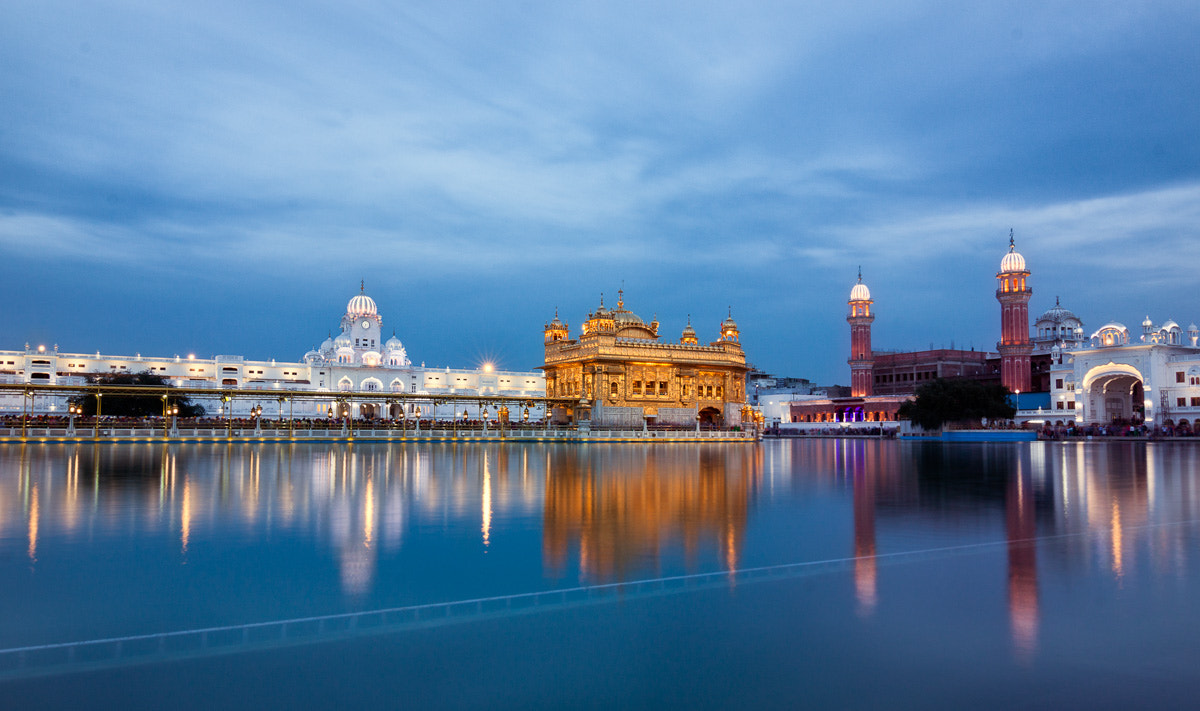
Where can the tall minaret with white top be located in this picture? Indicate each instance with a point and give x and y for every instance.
(861, 361)
(1013, 294)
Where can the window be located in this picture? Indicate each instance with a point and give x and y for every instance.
(637, 387)
(708, 390)
(1061, 405)
(662, 387)
(1196, 402)
(683, 391)
(612, 389)
(1181, 401)
(1058, 383)
(1179, 376)
(720, 391)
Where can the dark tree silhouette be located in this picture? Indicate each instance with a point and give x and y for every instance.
(135, 405)
(957, 400)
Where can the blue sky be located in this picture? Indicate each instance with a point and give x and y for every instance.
(219, 177)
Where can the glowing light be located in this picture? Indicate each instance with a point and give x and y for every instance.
(488, 367)
(41, 349)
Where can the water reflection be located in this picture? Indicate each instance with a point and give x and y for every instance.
(384, 524)
(620, 512)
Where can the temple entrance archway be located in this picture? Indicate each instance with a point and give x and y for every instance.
(1114, 393)
(710, 416)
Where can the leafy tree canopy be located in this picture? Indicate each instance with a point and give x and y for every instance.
(136, 405)
(957, 400)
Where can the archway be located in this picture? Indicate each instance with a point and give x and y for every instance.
(710, 416)
(368, 411)
(1115, 393)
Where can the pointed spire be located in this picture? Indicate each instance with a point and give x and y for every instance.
(621, 295)
(1012, 244)
(602, 298)
(860, 274)
(1056, 301)
(362, 286)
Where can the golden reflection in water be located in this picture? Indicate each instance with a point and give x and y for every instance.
(1021, 527)
(1118, 567)
(622, 509)
(185, 515)
(33, 523)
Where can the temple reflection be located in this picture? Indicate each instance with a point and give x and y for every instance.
(620, 512)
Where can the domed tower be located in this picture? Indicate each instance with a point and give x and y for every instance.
(729, 328)
(556, 330)
(1014, 346)
(862, 362)
(688, 338)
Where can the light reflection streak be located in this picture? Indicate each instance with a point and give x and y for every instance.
(33, 523)
(487, 500)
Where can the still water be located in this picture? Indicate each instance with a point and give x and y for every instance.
(825, 573)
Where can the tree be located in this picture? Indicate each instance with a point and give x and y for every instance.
(135, 404)
(957, 400)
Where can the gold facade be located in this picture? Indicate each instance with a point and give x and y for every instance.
(620, 367)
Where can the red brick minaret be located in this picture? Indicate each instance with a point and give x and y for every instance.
(861, 360)
(1013, 294)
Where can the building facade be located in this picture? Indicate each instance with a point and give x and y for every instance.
(357, 360)
(1114, 378)
(624, 374)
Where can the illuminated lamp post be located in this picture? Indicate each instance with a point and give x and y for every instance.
(417, 414)
(256, 415)
(96, 419)
(72, 411)
(228, 407)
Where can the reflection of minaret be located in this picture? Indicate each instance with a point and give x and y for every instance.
(865, 583)
(1022, 560)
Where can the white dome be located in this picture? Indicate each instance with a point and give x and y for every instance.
(361, 305)
(393, 344)
(1012, 262)
(342, 341)
(860, 292)
(1169, 325)
(327, 345)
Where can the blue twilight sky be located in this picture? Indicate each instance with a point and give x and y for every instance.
(218, 177)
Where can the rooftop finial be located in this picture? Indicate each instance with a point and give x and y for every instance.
(860, 274)
(621, 295)
(362, 286)
(602, 298)
(1012, 244)
(1056, 301)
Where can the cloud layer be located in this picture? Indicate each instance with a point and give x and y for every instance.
(481, 164)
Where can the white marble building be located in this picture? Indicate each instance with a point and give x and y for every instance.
(359, 359)
(1155, 377)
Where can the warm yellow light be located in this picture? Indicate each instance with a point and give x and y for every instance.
(488, 367)
(41, 349)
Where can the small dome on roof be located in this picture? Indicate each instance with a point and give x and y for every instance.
(342, 341)
(1057, 314)
(327, 344)
(729, 323)
(1193, 327)
(393, 344)
(1147, 323)
(860, 292)
(1169, 325)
